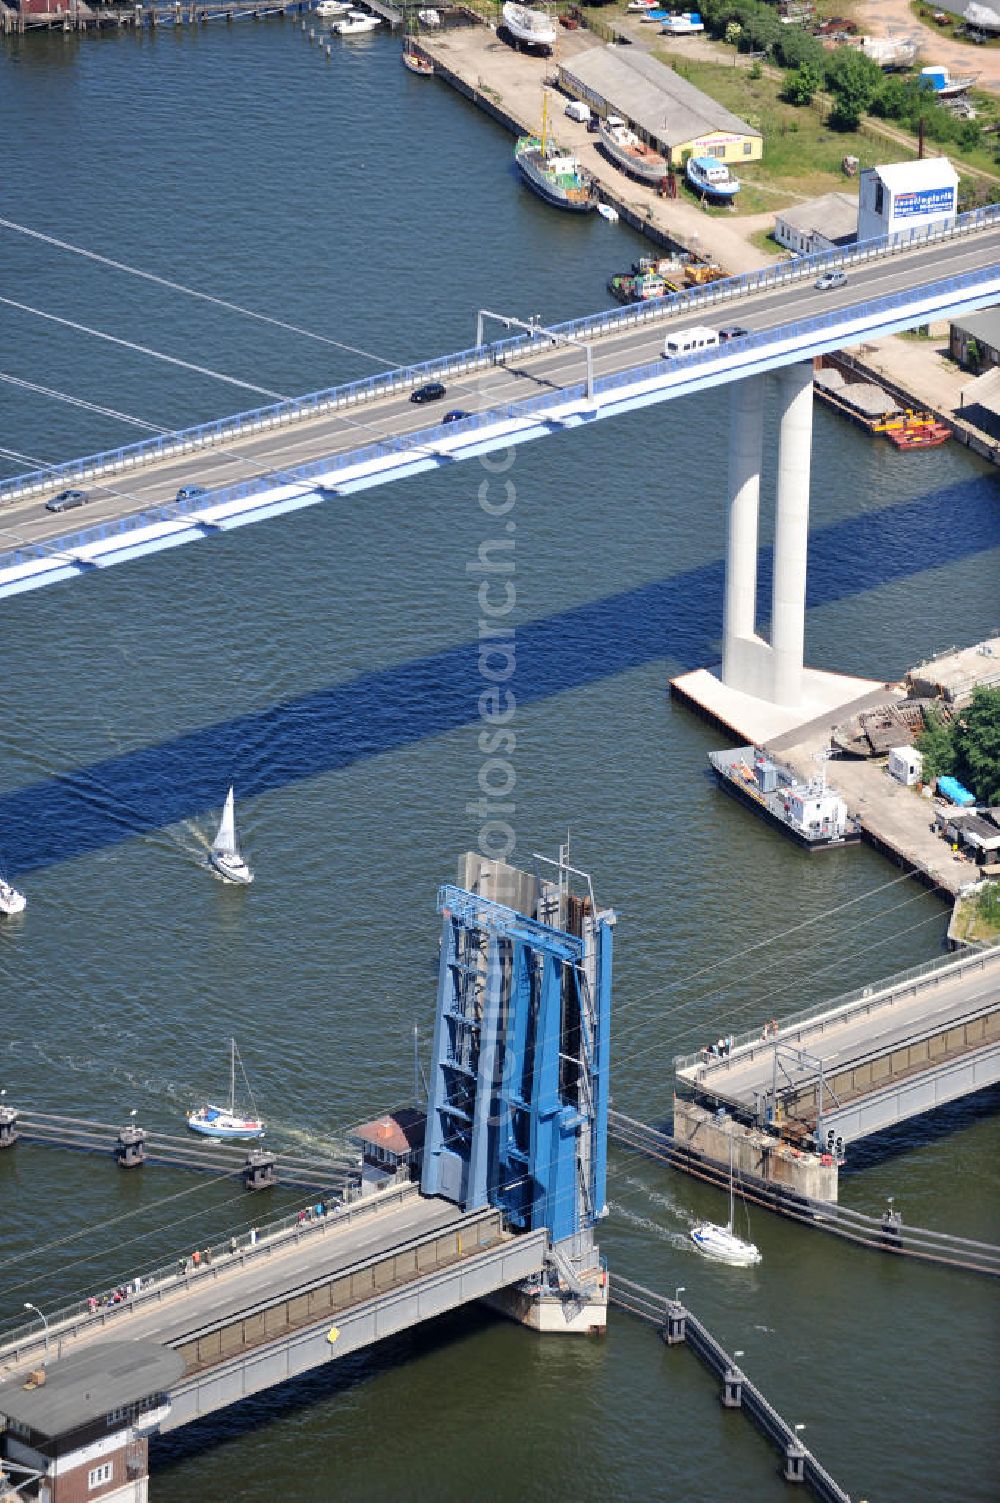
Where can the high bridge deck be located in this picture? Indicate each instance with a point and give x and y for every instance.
(299, 452)
(869, 1061)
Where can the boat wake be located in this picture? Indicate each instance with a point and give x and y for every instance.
(647, 1224)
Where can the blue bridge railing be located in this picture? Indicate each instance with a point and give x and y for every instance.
(405, 378)
(419, 448)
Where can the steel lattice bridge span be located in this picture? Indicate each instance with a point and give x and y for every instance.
(336, 442)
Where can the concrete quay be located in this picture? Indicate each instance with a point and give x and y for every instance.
(508, 85)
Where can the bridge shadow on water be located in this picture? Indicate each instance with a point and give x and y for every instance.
(322, 1384)
(676, 619)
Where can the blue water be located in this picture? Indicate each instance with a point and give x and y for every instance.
(325, 663)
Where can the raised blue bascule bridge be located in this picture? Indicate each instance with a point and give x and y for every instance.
(517, 1110)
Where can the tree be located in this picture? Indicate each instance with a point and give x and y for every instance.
(853, 80)
(733, 33)
(935, 746)
(802, 84)
(976, 738)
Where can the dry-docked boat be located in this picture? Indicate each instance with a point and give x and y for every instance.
(529, 28)
(630, 153)
(710, 176)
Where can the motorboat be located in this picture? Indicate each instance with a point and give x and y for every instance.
(224, 855)
(355, 23)
(429, 18)
(332, 8)
(11, 901)
(629, 152)
(529, 28)
(721, 1242)
(710, 176)
(225, 1121)
(418, 64)
(686, 24)
(940, 81)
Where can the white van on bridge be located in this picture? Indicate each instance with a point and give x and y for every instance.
(686, 341)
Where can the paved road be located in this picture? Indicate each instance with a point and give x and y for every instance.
(194, 1301)
(857, 1037)
(554, 367)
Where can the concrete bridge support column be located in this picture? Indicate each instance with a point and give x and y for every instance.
(745, 657)
(791, 534)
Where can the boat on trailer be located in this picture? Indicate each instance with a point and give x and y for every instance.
(629, 152)
(710, 176)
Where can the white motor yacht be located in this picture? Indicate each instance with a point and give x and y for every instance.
(532, 28)
(11, 901)
(355, 23)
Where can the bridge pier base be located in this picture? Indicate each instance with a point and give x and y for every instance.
(764, 689)
(551, 1310)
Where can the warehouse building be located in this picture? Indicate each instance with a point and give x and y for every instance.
(663, 108)
(822, 224)
(975, 339)
(903, 198)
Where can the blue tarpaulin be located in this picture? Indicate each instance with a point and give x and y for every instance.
(952, 788)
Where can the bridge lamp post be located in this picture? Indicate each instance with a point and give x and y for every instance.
(678, 1292)
(29, 1306)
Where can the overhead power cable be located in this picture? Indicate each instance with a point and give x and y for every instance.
(143, 349)
(208, 297)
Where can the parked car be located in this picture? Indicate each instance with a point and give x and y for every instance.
(189, 492)
(432, 392)
(455, 415)
(66, 500)
(732, 331)
(830, 279)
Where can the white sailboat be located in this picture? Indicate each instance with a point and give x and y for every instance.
(225, 1121)
(11, 901)
(721, 1242)
(224, 855)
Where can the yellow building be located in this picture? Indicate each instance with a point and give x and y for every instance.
(663, 108)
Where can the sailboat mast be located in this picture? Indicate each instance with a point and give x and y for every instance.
(232, 1082)
(730, 1227)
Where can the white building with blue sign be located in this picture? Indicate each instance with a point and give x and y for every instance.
(906, 197)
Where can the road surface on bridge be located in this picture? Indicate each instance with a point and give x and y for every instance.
(233, 1285)
(552, 368)
(840, 1044)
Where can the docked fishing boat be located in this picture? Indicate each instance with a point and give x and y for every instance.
(224, 855)
(529, 28)
(710, 176)
(811, 813)
(11, 901)
(554, 174)
(418, 64)
(721, 1242)
(645, 287)
(355, 23)
(225, 1121)
(327, 8)
(630, 153)
(686, 24)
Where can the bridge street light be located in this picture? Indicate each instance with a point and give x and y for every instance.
(29, 1306)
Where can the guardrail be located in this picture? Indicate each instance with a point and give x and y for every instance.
(262, 1242)
(861, 999)
(420, 445)
(405, 378)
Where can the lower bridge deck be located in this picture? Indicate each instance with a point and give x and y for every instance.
(268, 1313)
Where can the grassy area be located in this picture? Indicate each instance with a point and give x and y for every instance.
(763, 240)
(802, 155)
(978, 918)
